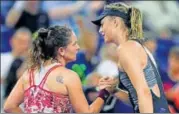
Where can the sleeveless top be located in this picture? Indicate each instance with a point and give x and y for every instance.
(152, 77)
(40, 100)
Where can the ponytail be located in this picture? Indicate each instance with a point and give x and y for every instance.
(136, 30)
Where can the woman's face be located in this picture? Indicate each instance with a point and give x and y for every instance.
(111, 29)
(173, 62)
(71, 49)
(106, 30)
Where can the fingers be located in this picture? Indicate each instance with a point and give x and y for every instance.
(108, 82)
(106, 85)
(106, 79)
(100, 87)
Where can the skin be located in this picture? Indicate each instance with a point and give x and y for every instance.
(173, 66)
(173, 73)
(14, 15)
(132, 59)
(20, 43)
(64, 81)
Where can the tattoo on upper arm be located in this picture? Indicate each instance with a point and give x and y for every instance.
(59, 79)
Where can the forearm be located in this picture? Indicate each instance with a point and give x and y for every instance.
(62, 13)
(96, 106)
(145, 102)
(15, 13)
(123, 96)
(12, 18)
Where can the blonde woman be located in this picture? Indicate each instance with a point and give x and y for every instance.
(122, 25)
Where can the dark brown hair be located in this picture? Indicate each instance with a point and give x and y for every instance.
(46, 44)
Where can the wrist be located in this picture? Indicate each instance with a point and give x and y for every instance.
(104, 94)
(117, 89)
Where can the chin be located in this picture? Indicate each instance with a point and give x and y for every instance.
(69, 60)
(107, 41)
(73, 59)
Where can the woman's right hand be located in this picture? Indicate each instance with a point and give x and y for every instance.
(108, 83)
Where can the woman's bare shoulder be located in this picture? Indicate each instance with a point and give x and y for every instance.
(25, 76)
(66, 73)
(129, 47)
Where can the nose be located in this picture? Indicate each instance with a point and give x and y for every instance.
(100, 30)
(78, 47)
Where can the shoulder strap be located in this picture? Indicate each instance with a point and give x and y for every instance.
(31, 77)
(46, 75)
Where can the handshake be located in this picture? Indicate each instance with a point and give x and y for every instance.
(108, 83)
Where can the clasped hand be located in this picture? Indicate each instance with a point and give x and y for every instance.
(108, 83)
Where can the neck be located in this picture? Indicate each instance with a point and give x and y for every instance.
(62, 61)
(51, 61)
(120, 39)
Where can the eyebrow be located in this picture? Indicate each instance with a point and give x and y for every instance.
(75, 42)
(102, 22)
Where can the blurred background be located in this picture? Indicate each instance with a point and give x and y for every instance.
(20, 19)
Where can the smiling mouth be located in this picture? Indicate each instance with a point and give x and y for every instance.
(103, 35)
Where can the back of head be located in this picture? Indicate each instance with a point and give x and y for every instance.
(47, 42)
(131, 16)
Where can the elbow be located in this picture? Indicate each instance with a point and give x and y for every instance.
(144, 92)
(7, 108)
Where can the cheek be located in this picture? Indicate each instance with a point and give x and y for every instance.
(109, 32)
(172, 63)
(71, 52)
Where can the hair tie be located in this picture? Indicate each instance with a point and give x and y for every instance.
(43, 33)
(129, 12)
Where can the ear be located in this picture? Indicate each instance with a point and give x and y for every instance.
(61, 51)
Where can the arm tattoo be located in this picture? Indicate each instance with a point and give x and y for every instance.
(59, 79)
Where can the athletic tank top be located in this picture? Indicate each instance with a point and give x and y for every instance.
(152, 77)
(40, 100)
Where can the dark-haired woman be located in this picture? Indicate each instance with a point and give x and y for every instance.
(122, 25)
(47, 86)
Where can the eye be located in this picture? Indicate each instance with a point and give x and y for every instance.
(74, 43)
(101, 24)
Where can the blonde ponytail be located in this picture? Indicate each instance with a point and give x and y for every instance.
(136, 30)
